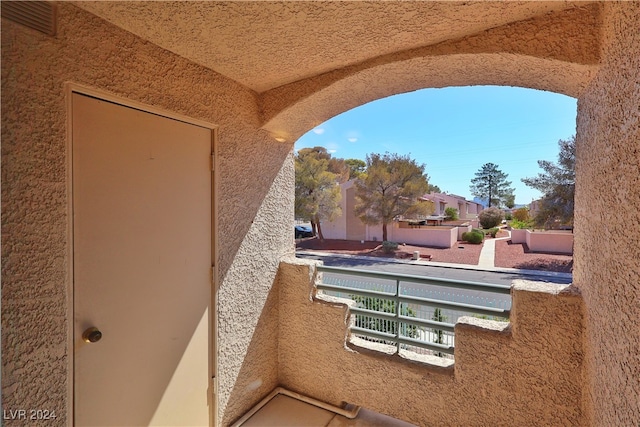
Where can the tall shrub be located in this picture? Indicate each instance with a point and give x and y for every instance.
(451, 213)
(490, 217)
(474, 236)
(521, 214)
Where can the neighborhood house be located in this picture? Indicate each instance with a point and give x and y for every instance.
(425, 231)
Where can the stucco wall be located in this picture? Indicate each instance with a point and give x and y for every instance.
(544, 241)
(474, 209)
(439, 237)
(337, 229)
(560, 51)
(463, 229)
(549, 241)
(528, 373)
(556, 52)
(443, 201)
(519, 236)
(347, 225)
(607, 218)
(334, 229)
(356, 229)
(255, 208)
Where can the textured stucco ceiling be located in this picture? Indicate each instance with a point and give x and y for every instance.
(264, 45)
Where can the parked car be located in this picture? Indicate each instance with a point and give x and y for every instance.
(303, 231)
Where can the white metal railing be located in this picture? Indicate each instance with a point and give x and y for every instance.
(415, 313)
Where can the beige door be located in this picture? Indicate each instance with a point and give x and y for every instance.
(142, 208)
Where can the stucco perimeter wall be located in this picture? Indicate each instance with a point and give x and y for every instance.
(463, 229)
(548, 241)
(528, 372)
(607, 254)
(519, 236)
(254, 211)
(335, 229)
(544, 241)
(439, 237)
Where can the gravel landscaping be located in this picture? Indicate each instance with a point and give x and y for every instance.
(517, 255)
(508, 254)
(461, 253)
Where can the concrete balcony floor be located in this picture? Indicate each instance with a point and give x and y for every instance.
(286, 411)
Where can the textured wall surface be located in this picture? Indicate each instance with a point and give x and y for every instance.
(255, 202)
(355, 229)
(582, 49)
(544, 242)
(525, 373)
(556, 52)
(439, 237)
(319, 36)
(607, 254)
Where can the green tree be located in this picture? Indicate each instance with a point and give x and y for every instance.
(357, 168)
(521, 214)
(510, 201)
(340, 168)
(491, 184)
(317, 193)
(392, 187)
(558, 184)
(451, 213)
(433, 189)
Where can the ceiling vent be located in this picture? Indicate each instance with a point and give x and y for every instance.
(38, 15)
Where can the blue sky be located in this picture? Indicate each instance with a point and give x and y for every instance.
(454, 131)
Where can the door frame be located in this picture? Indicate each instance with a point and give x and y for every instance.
(69, 89)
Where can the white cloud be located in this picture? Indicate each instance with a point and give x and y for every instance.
(352, 139)
(332, 151)
(318, 131)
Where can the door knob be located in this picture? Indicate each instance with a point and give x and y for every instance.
(91, 335)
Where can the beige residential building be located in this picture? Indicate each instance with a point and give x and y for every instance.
(348, 226)
(148, 269)
(466, 209)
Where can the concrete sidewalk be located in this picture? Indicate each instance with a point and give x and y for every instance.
(488, 253)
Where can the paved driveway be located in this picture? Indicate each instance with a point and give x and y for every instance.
(433, 271)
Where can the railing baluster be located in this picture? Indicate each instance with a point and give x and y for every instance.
(397, 305)
(433, 334)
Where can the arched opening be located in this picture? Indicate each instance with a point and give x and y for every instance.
(606, 138)
(454, 132)
(294, 109)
